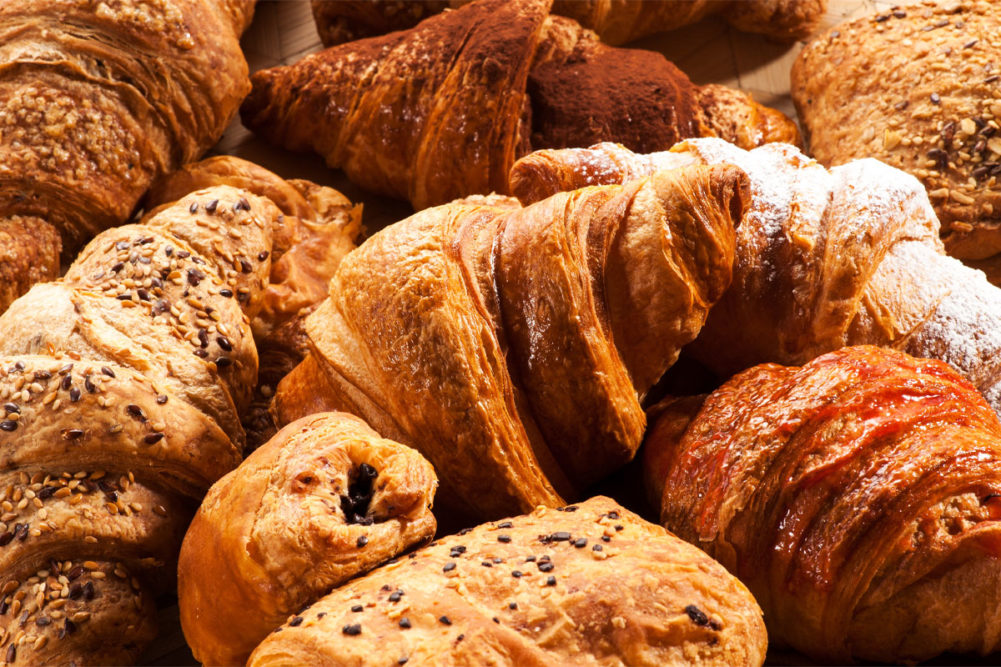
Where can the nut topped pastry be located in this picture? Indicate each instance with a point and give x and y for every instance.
(918, 87)
(586, 584)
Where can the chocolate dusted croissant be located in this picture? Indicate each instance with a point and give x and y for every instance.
(825, 259)
(586, 584)
(323, 501)
(97, 100)
(316, 228)
(441, 111)
(120, 389)
(511, 346)
(856, 496)
(615, 21)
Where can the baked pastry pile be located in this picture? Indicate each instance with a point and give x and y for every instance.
(518, 349)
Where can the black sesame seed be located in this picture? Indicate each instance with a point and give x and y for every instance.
(487, 563)
(6, 539)
(619, 528)
(530, 559)
(697, 616)
(900, 14)
(448, 567)
(67, 382)
(546, 567)
(971, 44)
(8, 425)
(118, 267)
(560, 536)
(135, 411)
(72, 434)
(76, 572)
(460, 638)
(395, 595)
(570, 508)
(12, 407)
(361, 541)
(161, 399)
(203, 337)
(21, 531)
(504, 538)
(223, 362)
(88, 588)
(193, 208)
(516, 574)
(263, 255)
(357, 608)
(606, 538)
(935, 99)
(65, 369)
(245, 266)
(195, 276)
(70, 627)
(882, 17)
(505, 524)
(153, 438)
(580, 542)
(352, 629)
(405, 623)
(212, 206)
(42, 621)
(445, 620)
(122, 245)
(297, 621)
(512, 605)
(596, 547)
(224, 343)
(992, 79)
(183, 254)
(613, 515)
(107, 371)
(89, 385)
(496, 620)
(143, 294)
(228, 293)
(12, 653)
(403, 660)
(46, 492)
(551, 580)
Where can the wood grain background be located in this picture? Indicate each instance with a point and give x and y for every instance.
(711, 51)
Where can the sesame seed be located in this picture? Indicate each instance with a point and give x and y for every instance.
(352, 629)
(448, 567)
(296, 621)
(504, 538)
(512, 605)
(153, 438)
(8, 425)
(580, 542)
(516, 574)
(405, 623)
(357, 608)
(212, 206)
(445, 620)
(551, 580)
(396, 595)
(361, 541)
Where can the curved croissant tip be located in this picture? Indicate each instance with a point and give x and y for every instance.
(733, 191)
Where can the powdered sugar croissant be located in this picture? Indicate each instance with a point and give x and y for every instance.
(824, 259)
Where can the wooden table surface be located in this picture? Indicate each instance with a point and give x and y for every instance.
(711, 51)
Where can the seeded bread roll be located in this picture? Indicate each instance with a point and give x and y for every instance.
(588, 584)
(323, 501)
(918, 87)
(118, 411)
(317, 227)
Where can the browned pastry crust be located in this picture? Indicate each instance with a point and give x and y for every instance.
(325, 500)
(825, 259)
(615, 21)
(442, 110)
(588, 584)
(29, 253)
(919, 88)
(856, 496)
(512, 346)
(120, 387)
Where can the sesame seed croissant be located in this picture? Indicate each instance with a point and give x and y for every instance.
(121, 387)
(615, 21)
(587, 584)
(825, 258)
(98, 98)
(442, 110)
(512, 346)
(858, 497)
(323, 501)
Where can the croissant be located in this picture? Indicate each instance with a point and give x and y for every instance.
(916, 87)
(96, 100)
(441, 111)
(825, 259)
(856, 496)
(121, 387)
(511, 346)
(615, 21)
(323, 501)
(586, 584)
(316, 228)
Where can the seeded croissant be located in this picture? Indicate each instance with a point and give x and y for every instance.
(441, 111)
(512, 346)
(615, 21)
(122, 386)
(97, 100)
(857, 496)
(825, 259)
(588, 584)
(323, 501)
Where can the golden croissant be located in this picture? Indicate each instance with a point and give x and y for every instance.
(511, 346)
(858, 497)
(442, 110)
(825, 259)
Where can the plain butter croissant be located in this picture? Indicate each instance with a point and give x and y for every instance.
(97, 100)
(858, 497)
(588, 584)
(825, 259)
(441, 111)
(323, 501)
(120, 389)
(615, 21)
(512, 346)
